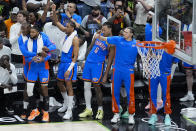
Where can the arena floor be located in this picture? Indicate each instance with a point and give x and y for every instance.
(12, 122)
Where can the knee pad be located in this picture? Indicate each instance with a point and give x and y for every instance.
(87, 85)
(30, 87)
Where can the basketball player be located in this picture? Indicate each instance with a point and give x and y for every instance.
(38, 68)
(68, 60)
(93, 71)
(164, 79)
(125, 57)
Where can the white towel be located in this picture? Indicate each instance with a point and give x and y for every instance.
(68, 43)
(40, 44)
(24, 38)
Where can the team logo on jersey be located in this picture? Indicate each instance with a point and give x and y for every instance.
(95, 79)
(44, 79)
(133, 45)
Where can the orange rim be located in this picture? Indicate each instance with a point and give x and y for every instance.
(169, 47)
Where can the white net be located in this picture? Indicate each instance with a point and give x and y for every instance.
(150, 60)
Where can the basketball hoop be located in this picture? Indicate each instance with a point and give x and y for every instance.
(151, 54)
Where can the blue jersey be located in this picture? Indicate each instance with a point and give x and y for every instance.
(65, 19)
(46, 43)
(126, 53)
(24, 52)
(98, 52)
(148, 32)
(67, 57)
(166, 62)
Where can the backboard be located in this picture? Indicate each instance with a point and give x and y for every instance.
(178, 22)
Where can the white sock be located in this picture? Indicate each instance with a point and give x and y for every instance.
(100, 108)
(87, 94)
(123, 92)
(25, 104)
(190, 93)
(70, 102)
(159, 93)
(41, 98)
(65, 98)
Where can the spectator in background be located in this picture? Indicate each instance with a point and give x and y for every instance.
(34, 19)
(4, 9)
(49, 29)
(4, 50)
(8, 78)
(12, 20)
(93, 22)
(35, 5)
(57, 38)
(70, 15)
(142, 8)
(15, 32)
(3, 26)
(119, 20)
(88, 6)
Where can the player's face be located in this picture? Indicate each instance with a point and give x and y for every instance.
(20, 18)
(127, 33)
(25, 30)
(32, 18)
(106, 31)
(69, 29)
(34, 33)
(71, 7)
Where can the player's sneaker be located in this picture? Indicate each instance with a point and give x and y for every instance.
(153, 119)
(116, 118)
(33, 114)
(45, 117)
(125, 115)
(86, 113)
(187, 98)
(131, 119)
(68, 115)
(167, 120)
(63, 108)
(99, 115)
(24, 114)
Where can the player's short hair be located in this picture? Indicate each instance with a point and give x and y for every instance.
(36, 27)
(131, 29)
(72, 24)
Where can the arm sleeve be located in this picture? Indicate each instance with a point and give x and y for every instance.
(114, 40)
(48, 43)
(13, 76)
(24, 50)
(47, 57)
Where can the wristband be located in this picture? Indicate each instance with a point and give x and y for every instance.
(71, 66)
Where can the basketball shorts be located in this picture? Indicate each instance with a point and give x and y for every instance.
(63, 68)
(34, 74)
(93, 72)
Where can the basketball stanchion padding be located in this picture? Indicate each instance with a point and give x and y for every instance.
(151, 54)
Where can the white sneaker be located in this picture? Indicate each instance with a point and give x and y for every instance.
(115, 118)
(63, 108)
(187, 98)
(131, 119)
(67, 115)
